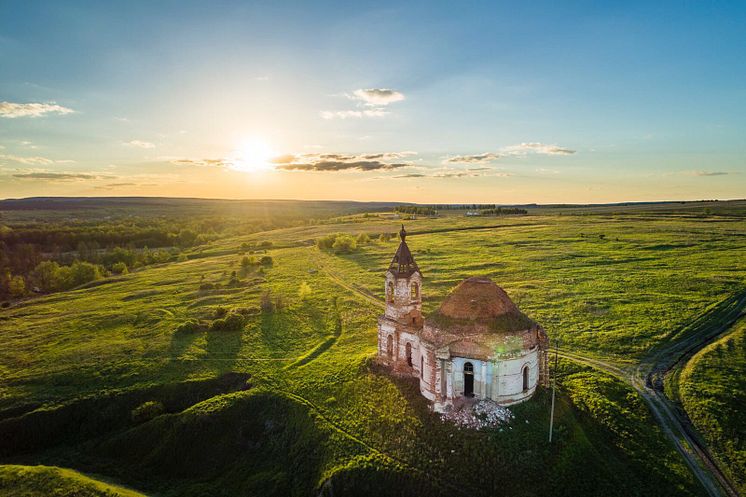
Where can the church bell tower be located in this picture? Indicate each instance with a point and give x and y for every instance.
(404, 287)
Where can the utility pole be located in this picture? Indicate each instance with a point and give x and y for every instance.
(554, 386)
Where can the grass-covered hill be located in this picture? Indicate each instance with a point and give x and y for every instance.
(265, 383)
(35, 481)
(712, 390)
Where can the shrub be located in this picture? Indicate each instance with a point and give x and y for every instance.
(266, 261)
(220, 312)
(190, 326)
(344, 244)
(119, 268)
(206, 286)
(245, 262)
(305, 291)
(232, 322)
(147, 411)
(362, 239)
(326, 242)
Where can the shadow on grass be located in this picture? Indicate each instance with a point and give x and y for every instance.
(223, 346)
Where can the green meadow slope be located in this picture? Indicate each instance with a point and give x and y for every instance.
(291, 404)
(35, 481)
(712, 390)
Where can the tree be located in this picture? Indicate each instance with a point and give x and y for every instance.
(187, 238)
(83, 272)
(46, 275)
(17, 286)
(362, 239)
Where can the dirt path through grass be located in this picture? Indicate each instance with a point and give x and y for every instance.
(647, 379)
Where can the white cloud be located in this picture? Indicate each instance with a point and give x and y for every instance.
(353, 114)
(377, 96)
(519, 150)
(31, 161)
(706, 173)
(370, 102)
(12, 110)
(536, 148)
(483, 158)
(140, 144)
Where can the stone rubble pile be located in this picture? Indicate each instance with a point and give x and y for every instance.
(483, 414)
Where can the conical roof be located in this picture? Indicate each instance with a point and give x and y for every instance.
(403, 263)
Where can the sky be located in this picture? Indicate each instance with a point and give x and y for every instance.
(431, 102)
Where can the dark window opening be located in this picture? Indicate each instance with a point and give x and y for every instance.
(468, 379)
(525, 378)
(408, 348)
(422, 367)
(390, 346)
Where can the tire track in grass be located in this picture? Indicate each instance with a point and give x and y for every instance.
(323, 346)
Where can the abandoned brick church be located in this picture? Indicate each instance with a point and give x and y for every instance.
(478, 344)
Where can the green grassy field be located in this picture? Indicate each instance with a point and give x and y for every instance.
(316, 415)
(712, 390)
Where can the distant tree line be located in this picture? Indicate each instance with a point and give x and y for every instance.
(503, 211)
(461, 207)
(47, 257)
(416, 210)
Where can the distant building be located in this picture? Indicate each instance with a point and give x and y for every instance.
(473, 213)
(478, 344)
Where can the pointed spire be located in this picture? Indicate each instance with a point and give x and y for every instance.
(403, 263)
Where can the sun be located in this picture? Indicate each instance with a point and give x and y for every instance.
(252, 156)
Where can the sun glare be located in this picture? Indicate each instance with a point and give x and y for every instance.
(252, 156)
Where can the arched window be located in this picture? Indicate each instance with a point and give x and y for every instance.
(468, 379)
(525, 378)
(390, 346)
(408, 349)
(390, 292)
(414, 291)
(422, 366)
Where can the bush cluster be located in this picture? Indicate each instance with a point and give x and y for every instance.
(341, 243)
(232, 321)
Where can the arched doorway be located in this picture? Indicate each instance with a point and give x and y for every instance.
(390, 346)
(525, 378)
(468, 379)
(408, 349)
